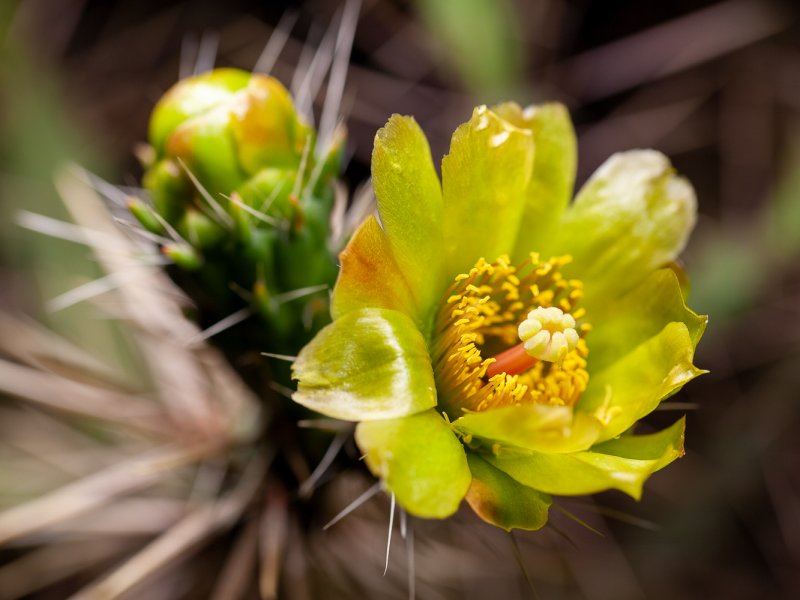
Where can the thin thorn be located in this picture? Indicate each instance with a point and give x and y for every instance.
(188, 49)
(243, 293)
(403, 518)
(562, 534)
(108, 190)
(84, 292)
(327, 460)
(325, 424)
(300, 293)
(173, 233)
(282, 390)
(311, 80)
(678, 406)
(389, 537)
(304, 64)
(218, 210)
(275, 43)
(148, 235)
(298, 182)
(66, 231)
(623, 517)
(316, 173)
(578, 520)
(354, 505)
(521, 563)
(285, 357)
(249, 209)
(207, 53)
(412, 578)
(271, 198)
(220, 326)
(97, 287)
(338, 74)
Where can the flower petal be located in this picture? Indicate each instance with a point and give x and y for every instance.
(553, 178)
(538, 427)
(369, 275)
(421, 461)
(410, 205)
(369, 364)
(653, 446)
(484, 179)
(634, 385)
(622, 464)
(638, 316)
(502, 501)
(632, 216)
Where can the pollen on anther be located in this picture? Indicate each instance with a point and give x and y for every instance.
(548, 334)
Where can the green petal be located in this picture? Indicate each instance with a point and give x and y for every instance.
(634, 385)
(369, 275)
(542, 428)
(553, 178)
(622, 464)
(369, 364)
(420, 460)
(632, 216)
(662, 447)
(502, 501)
(410, 205)
(638, 316)
(484, 180)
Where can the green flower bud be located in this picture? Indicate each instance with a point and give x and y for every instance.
(225, 126)
(191, 97)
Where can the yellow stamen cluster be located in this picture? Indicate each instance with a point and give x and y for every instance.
(481, 316)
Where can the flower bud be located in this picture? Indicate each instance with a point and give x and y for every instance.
(224, 128)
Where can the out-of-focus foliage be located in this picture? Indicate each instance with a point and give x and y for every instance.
(784, 233)
(480, 38)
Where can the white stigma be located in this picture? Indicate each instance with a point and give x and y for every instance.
(548, 334)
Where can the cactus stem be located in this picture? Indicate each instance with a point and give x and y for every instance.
(222, 325)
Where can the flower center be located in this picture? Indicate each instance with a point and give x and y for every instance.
(508, 335)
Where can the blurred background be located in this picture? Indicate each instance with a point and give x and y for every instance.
(714, 85)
